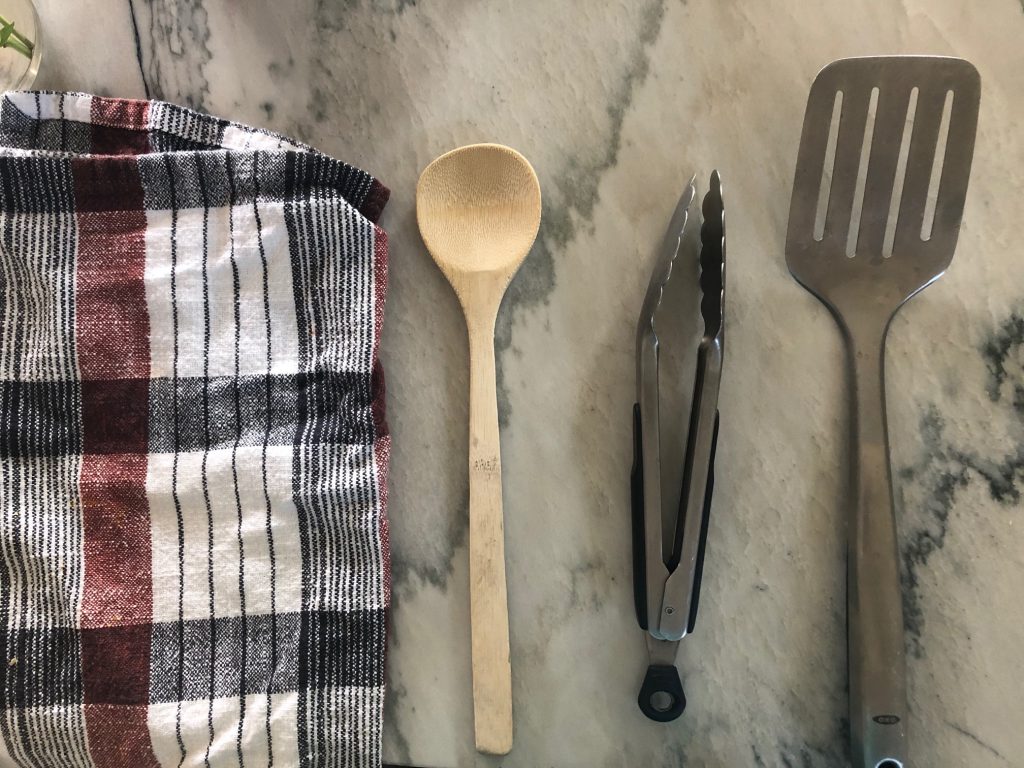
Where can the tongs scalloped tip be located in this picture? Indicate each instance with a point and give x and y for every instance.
(662, 271)
(712, 258)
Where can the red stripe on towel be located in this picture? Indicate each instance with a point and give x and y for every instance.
(382, 443)
(119, 126)
(112, 337)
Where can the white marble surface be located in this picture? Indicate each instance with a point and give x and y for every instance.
(616, 103)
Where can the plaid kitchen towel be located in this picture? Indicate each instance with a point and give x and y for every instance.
(193, 455)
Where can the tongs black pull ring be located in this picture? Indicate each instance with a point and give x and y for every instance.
(661, 696)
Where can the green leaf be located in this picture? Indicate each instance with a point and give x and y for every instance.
(5, 34)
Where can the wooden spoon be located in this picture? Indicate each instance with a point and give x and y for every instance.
(478, 209)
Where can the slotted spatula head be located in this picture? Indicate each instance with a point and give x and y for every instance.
(881, 178)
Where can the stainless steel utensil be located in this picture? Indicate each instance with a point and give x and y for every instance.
(901, 131)
(667, 578)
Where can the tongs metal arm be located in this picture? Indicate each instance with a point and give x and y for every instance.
(649, 570)
(679, 602)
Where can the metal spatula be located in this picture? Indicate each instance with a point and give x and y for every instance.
(879, 191)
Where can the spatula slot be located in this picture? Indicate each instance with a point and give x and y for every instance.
(882, 170)
(937, 162)
(827, 168)
(862, 175)
(901, 172)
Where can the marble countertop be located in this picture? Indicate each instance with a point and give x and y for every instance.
(617, 104)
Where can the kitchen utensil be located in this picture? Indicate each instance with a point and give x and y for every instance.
(478, 209)
(667, 587)
(887, 145)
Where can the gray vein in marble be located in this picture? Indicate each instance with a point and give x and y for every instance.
(339, 10)
(997, 353)
(944, 470)
(399, 744)
(573, 200)
(436, 572)
(984, 745)
(138, 47)
(178, 36)
(402, 5)
(280, 74)
(807, 755)
(923, 530)
(583, 577)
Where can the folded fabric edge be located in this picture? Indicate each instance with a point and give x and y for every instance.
(171, 120)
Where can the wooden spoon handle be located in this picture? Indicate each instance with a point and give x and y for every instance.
(492, 673)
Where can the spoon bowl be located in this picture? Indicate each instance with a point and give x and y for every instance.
(478, 209)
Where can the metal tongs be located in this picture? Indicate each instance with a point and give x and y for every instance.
(667, 585)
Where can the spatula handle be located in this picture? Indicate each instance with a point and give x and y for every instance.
(492, 673)
(877, 664)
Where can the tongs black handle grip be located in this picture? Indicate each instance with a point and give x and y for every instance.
(636, 488)
(698, 572)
